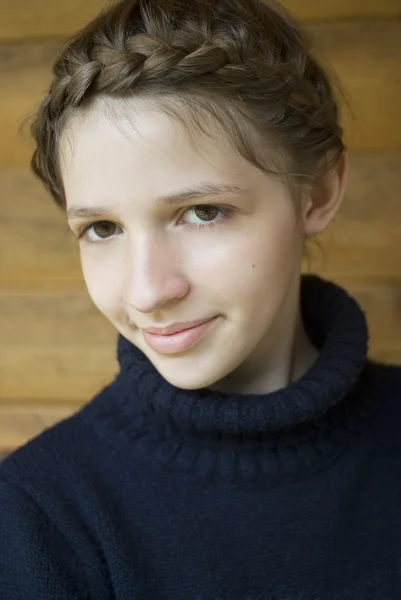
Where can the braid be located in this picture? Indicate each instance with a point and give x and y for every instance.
(43, 163)
(239, 51)
(144, 59)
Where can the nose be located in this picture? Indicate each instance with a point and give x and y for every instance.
(154, 276)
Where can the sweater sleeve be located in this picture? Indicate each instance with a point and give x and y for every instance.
(36, 561)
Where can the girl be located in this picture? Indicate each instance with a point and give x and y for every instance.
(247, 448)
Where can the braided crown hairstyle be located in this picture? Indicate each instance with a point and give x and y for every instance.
(246, 63)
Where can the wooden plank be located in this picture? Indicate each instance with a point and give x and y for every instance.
(5, 452)
(382, 306)
(357, 251)
(67, 321)
(38, 251)
(21, 422)
(53, 319)
(352, 249)
(66, 350)
(55, 373)
(374, 185)
(373, 192)
(343, 9)
(37, 18)
(25, 74)
(366, 57)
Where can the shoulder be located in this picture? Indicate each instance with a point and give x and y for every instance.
(57, 456)
(383, 386)
(38, 545)
(383, 390)
(35, 462)
(387, 379)
(47, 512)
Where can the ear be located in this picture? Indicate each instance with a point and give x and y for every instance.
(325, 198)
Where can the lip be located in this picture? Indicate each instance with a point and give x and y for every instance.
(179, 341)
(175, 328)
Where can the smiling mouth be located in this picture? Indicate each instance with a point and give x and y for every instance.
(176, 328)
(178, 341)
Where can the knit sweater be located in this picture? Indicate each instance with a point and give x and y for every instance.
(153, 492)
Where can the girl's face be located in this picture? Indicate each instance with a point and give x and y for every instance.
(235, 255)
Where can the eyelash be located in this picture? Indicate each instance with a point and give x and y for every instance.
(225, 214)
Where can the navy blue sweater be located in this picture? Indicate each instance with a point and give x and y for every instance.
(152, 492)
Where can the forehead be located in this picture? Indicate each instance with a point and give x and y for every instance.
(145, 149)
(141, 131)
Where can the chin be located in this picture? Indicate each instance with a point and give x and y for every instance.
(188, 383)
(187, 377)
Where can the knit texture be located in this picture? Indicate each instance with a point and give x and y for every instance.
(153, 492)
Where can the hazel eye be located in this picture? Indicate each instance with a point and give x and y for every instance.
(103, 229)
(207, 215)
(98, 231)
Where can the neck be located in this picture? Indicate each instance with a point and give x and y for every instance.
(277, 362)
(334, 324)
(247, 435)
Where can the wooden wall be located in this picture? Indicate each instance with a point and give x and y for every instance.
(56, 350)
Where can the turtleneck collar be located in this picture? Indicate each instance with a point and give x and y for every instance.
(249, 438)
(336, 326)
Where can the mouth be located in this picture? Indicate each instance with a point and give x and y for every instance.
(180, 340)
(175, 328)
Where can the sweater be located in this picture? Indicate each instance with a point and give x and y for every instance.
(152, 492)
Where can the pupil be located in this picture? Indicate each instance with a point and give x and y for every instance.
(206, 209)
(102, 229)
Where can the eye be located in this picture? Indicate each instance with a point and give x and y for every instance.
(209, 214)
(98, 231)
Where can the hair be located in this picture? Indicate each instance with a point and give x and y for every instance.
(245, 63)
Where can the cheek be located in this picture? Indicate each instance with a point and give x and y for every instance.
(102, 283)
(255, 275)
(245, 261)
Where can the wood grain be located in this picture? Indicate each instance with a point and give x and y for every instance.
(40, 18)
(54, 347)
(38, 251)
(365, 56)
(58, 347)
(343, 9)
(57, 352)
(54, 373)
(20, 423)
(37, 18)
(52, 319)
(25, 74)
(358, 251)
(365, 59)
(374, 185)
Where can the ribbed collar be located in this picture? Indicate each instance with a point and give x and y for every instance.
(335, 324)
(249, 439)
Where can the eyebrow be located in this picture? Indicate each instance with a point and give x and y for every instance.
(182, 197)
